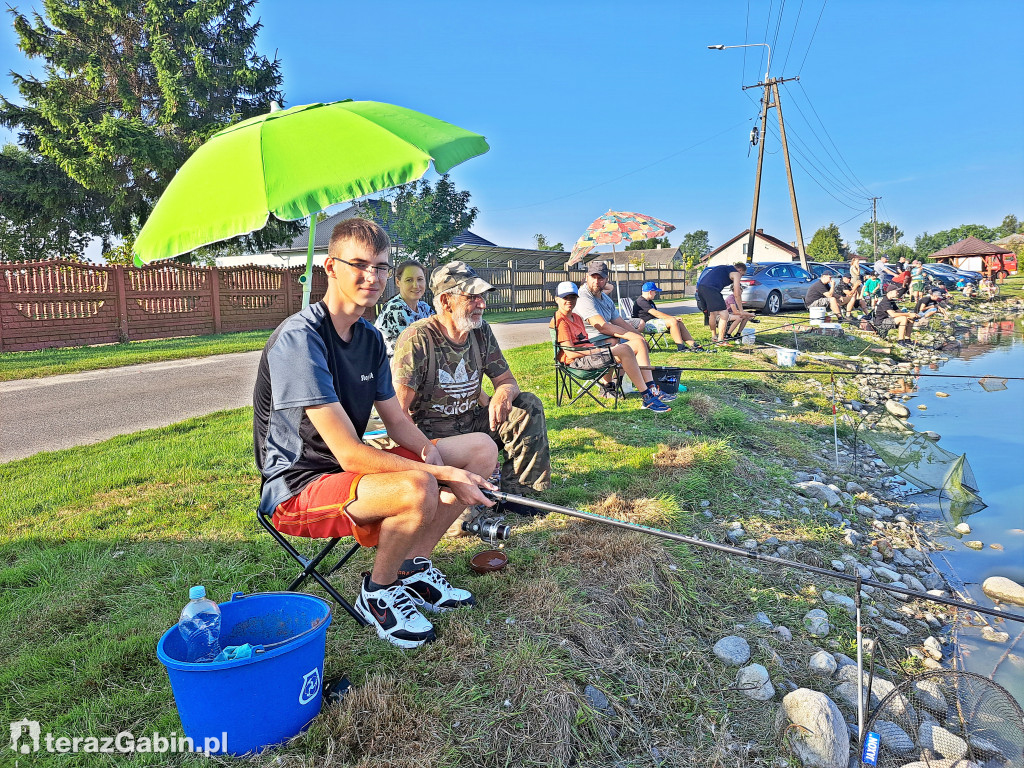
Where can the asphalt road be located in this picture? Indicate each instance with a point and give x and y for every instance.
(82, 408)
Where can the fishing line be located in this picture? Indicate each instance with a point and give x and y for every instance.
(850, 373)
(515, 504)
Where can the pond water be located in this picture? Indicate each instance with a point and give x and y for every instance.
(989, 427)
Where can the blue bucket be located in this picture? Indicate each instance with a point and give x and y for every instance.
(234, 707)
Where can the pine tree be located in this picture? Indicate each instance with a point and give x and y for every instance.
(133, 87)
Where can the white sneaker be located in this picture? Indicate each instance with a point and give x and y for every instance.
(392, 612)
(434, 591)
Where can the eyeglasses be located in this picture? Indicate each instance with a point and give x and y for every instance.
(383, 271)
(472, 296)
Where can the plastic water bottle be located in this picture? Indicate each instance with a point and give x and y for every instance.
(200, 626)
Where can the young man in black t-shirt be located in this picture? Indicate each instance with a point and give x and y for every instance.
(931, 303)
(888, 315)
(322, 371)
(645, 309)
(821, 294)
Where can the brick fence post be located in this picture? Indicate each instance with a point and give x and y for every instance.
(214, 275)
(286, 286)
(122, 303)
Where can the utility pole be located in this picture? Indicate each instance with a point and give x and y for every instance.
(771, 99)
(789, 177)
(757, 177)
(874, 228)
(771, 90)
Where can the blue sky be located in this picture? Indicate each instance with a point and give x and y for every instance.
(596, 105)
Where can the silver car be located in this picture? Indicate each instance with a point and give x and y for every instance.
(772, 286)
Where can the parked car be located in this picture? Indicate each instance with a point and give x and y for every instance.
(843, 268)
(974, 277)
(770, 286)
(948, 279)
(817, 268)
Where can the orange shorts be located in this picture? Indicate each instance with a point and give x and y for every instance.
(318, 510)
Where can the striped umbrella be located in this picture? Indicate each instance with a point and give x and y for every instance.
(615, 227)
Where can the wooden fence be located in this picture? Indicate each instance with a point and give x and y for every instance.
(68, 304)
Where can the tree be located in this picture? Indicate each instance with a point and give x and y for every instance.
(925, 244)
(132, 88)
(695, 246)
(44, 214)
(888, 235)
(542, 244)
(424, 219)
(654, 242)
(1010, 226)
(826, 245)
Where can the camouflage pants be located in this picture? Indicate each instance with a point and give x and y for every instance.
(523, 437)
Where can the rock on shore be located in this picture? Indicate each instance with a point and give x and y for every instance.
(823, 741)
(1004, 589)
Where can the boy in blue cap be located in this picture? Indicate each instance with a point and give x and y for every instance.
(645, 309)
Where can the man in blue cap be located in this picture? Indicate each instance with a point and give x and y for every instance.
(656, 320)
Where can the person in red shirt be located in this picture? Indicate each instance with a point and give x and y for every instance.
(570, 331)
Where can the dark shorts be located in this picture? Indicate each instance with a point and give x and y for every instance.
(713, 299)
(594, 361)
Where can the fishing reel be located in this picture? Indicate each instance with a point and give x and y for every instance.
(489, 522)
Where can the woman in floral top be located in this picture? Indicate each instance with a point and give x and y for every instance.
(404, 309)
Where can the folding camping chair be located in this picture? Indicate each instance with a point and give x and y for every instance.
(566, 377)
(653, 339)
(309, 566)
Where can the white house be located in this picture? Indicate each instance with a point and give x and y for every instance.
(766, 248)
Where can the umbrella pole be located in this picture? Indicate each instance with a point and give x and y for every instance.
(618, 294)
(307, 276)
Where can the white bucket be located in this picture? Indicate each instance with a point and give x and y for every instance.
(747, 337)
(817, 315)
(786, 357)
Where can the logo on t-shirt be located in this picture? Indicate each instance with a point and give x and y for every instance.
(460, 387)
(366, 377)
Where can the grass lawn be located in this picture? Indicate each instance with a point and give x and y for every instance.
(49, 362)
(99, 545)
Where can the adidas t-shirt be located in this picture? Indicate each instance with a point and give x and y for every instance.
(306, 363)
(445, 376)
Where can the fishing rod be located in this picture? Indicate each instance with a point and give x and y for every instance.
(851, 373)
(490, 522)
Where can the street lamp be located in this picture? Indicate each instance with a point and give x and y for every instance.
(767, 69)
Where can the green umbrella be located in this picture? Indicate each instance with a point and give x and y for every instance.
(294, 163)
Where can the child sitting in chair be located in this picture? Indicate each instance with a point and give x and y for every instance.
(570, 332)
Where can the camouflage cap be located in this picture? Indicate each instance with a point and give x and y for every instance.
(457, 275)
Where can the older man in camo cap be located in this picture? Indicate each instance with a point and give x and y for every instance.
(438, 371)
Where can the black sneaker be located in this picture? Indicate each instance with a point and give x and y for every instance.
(607, 392)
(434, 591)
(392, 613)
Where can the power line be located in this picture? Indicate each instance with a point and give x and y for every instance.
(854, 217)
(778, 24)
(811, 177)
(789, 49)
(825, 175)
(624, 175)
(801, 69)
(767, 25)
(746, 37)
(851, 178)
(811, 105)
